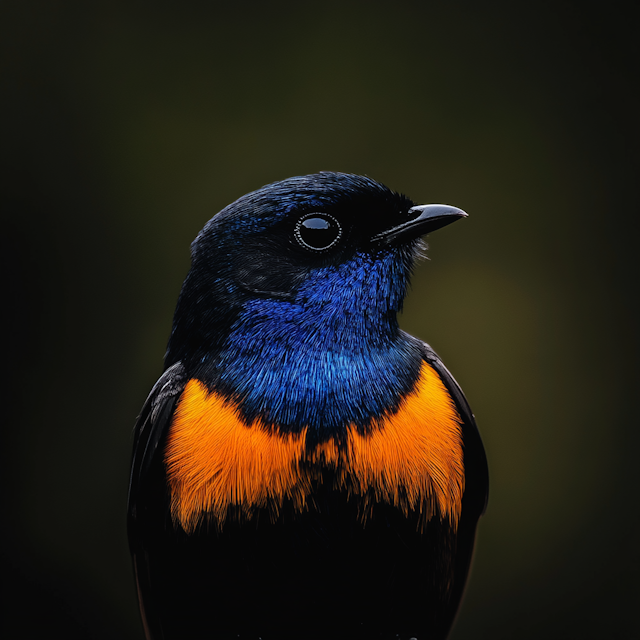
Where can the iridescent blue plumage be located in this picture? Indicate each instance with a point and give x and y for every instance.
(332, 356)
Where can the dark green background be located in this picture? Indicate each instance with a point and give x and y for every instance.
(126, 125)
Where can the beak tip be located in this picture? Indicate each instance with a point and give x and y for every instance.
(438, 210)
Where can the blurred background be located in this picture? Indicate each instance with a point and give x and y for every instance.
(126, 125)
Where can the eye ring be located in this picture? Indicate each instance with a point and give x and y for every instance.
(313, 235)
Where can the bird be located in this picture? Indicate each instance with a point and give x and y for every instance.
(303, 469)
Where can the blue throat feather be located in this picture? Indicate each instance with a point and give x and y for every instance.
(334, 356)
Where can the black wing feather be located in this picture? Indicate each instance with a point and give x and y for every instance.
(476, 494)
(151, 427)
(147, 487)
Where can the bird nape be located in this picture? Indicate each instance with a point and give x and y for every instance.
(303, 469)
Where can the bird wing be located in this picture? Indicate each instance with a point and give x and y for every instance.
(150, 429)
(474, 500)
(147, 479)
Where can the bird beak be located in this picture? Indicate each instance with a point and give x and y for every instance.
(425, 218)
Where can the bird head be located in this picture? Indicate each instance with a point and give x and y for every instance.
(313, 270)
(327, 242)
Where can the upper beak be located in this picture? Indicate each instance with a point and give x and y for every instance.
(425, 219)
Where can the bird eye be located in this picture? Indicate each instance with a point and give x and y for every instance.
(318, 231)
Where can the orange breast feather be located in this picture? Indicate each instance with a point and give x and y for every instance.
(412, 459)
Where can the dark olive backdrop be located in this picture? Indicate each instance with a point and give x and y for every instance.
(126, 125)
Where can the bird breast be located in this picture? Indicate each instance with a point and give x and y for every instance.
(217, 464)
